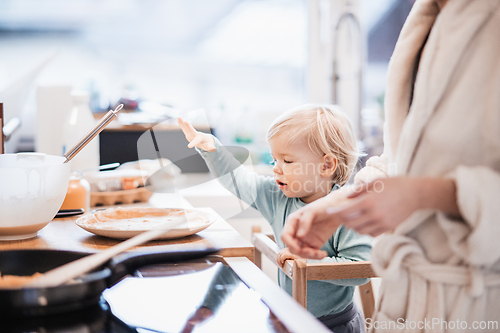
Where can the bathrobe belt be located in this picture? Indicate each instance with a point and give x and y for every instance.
(396, 256)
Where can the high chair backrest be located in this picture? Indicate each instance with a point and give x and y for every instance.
(300, 271)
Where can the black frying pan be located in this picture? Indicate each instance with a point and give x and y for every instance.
(86, 291)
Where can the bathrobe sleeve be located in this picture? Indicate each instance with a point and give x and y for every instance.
(376, 167)
(478, 199)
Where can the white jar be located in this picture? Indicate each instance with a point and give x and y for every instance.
(79, 122)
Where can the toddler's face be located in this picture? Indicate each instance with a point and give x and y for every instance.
(297, 170)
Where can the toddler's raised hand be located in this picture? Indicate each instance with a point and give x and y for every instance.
(285, 254)
(197, 139)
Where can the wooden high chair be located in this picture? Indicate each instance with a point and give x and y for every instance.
(300, 271)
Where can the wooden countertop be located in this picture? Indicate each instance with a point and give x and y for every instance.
(64, 234)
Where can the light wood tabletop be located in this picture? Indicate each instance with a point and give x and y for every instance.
(64, 234)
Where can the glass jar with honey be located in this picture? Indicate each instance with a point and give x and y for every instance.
(78, 195)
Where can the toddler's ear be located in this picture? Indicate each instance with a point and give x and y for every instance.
(329, 165)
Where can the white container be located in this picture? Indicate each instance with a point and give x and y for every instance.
(78, 123)
(32, 189)
(53, 105)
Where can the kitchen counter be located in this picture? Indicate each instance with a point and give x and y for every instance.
(64, 234)
(272, 308)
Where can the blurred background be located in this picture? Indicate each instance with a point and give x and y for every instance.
(243, 61)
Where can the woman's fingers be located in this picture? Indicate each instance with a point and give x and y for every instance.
(288, 236)
(308, 252)
(304, 223)
(294, 243)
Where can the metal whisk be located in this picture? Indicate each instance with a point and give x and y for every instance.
(108, 117)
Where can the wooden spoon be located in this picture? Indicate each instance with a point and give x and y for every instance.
(64, 273)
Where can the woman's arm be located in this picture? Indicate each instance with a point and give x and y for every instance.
(371, 208)
(474, 235)
(381, 205)
(439, 194)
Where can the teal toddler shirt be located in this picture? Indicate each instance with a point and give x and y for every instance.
(324, 297)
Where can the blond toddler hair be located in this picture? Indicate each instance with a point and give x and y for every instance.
(326, 129)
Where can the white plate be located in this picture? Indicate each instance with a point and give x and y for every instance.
(123, 228)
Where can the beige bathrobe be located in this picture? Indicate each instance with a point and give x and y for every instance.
(435, 268)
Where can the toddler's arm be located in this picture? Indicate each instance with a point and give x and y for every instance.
(256, 190)
(196, 139)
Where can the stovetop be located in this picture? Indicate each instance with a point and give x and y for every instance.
(165, 298)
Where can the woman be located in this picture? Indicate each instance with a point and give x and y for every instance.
(435, 191)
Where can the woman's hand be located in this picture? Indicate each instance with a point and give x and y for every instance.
(371, 208)
(285, 254)
(383, 204)
(307, 229)
(197, 139)
(380, 206)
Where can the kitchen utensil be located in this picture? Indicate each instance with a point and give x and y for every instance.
(105, 120)
(12, 126)
(123, 229)
(62, 274)
(69, 212)
(33, 187)
(8, 129)
(85, 291)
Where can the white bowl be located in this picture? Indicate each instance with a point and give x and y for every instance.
(32, 190)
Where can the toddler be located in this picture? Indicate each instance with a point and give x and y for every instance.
(314, 152)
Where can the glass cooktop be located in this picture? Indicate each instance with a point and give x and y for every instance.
(196, 297)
